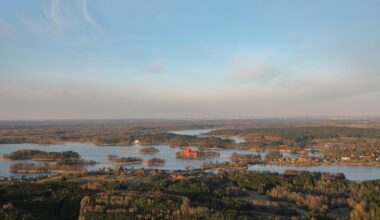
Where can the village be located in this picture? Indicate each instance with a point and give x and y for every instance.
(190, 154)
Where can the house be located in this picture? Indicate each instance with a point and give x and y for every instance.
(136, 142)
(345, 158)
(190, 153)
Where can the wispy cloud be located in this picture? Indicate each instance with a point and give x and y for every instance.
(55, 13)
(58, 16)
(50, 19)
(87, 15)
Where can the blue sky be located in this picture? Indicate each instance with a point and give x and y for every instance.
(67, 59)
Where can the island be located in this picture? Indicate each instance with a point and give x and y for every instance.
(148, 150)
(26, 168)
(154, 162)
(124, 160)
(52, 162)
(189, 154)
(246, 158)
(28, 154)
(314, 142)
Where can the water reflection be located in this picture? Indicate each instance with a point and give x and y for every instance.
(203, 133)
(357, 173)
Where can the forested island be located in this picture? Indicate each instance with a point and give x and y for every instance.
(189, 154)
(39, 155)
(26, 168)
(124, 160)
(154, 161)
(149, 150)
(53, 162)
(246, 158)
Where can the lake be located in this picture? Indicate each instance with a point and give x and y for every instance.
(203, 133)
(99, 154)
(356, 173)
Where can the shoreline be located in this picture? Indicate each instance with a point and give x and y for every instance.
(323, 164)
(124, 163)
(153, 164)
(46, 171)
(128, 150)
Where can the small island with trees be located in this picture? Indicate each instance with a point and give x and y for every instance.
(115, 160)
(53, 162)
(189, 154)
(148, 150)
(154, 162)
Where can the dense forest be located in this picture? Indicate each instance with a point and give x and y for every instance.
(28, 154)
(158, 194)
(124, 160)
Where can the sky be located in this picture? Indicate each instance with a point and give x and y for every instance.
(110, 59)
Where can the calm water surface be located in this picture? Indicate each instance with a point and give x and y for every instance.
(99, 153)
(192, 131)
(203, 133)
(357, 173)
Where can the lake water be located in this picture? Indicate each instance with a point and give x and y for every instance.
(203, 133)
(357, 173)
(99, 154)
(192, 132)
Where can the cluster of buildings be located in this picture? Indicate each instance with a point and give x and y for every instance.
(190, 153)
(298, 160)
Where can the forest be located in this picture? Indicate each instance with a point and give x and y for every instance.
(159, 194)
(28, 154)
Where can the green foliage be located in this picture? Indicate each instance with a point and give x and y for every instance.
(142, 194)
(190, 187)
(367, 199)
(256, 180)
(42, 155)
(302, 134)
